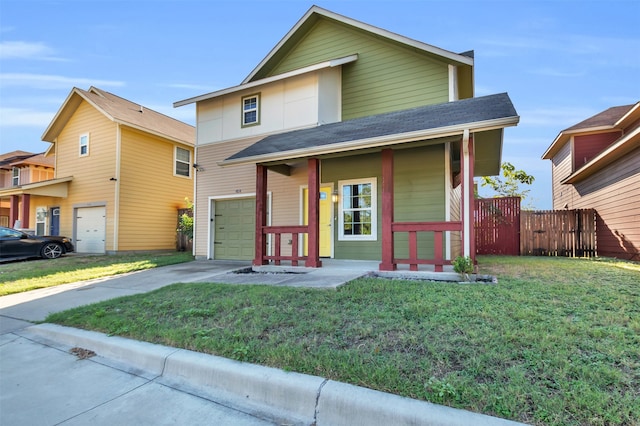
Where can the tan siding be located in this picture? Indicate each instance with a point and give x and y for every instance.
(150, 194)
(455, 198)
(91, 174)
(217, 181)
(615, 194)
(560, 170)
(386, 77)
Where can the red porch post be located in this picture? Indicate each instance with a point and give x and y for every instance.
(387, 263)
(13, 210)
(261, 215)
(467, 202)
(313, 252)
(24, 211)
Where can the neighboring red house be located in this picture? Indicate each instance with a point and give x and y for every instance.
(596, 165)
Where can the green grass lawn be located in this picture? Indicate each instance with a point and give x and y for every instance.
(16, 277)
(556, 341)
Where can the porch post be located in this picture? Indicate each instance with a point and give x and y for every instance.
(13, 210)
(26, 205)
(313, 240)
(387, 263)
(261, 215)
(468, 228)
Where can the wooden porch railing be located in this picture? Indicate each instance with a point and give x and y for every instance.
(278, 231)
(438, 228)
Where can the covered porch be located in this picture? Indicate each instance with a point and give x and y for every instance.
(470, 132)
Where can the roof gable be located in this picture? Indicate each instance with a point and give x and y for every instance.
(122, 111)
(614, 118)
(315, 14)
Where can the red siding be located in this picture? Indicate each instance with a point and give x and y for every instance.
(586, 147)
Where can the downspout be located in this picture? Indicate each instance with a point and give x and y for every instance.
(116, 196)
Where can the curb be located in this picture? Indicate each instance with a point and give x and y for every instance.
(264, 391)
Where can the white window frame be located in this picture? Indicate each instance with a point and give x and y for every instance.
(176, 160)
(245, 111)
(41, 219)
(373, 181)
(15, 176)
(85, 137)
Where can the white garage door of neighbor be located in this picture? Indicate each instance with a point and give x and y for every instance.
(91, 229)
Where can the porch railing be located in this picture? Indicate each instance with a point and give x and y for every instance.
(438, 228)
(278, 232)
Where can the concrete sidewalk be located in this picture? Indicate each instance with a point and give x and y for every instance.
(131, 382)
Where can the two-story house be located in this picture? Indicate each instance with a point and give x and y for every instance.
(349, 142)
(122, 171)
(595, 164)
(21, 174)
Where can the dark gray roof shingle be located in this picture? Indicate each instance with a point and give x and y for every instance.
(443, 115)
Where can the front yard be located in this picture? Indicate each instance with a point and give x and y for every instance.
(16, 277)
(556, 341)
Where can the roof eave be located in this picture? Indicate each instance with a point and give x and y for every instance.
(244, 86)
(376, 142)
(155, 133)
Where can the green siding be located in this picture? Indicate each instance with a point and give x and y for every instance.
(387, 76)
(419, 194)
(418, 190)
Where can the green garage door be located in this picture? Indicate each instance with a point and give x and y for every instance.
(234, 227)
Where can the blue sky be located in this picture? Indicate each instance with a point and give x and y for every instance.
(560, 61)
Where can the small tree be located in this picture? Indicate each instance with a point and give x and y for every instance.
(508, 184)
(185, 221)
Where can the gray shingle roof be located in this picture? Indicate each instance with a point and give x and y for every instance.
(473, 110)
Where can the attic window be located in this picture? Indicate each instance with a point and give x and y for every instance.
(251, 110)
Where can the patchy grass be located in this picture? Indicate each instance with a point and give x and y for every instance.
(557, 341)
(28, 275)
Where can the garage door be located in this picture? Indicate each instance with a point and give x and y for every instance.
(234, 229)
(91, 229)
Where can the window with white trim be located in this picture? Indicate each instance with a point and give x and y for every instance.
(84, 145)
(183, 162)
(15, 176)
(41, 220)
(251, 110)
(358, 210)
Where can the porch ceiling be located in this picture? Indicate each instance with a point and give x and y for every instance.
(485, 117)
(48, 188)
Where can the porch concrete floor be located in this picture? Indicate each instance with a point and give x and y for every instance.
(332, 274)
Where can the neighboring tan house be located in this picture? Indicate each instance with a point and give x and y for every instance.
(596, 165)
(349, 142)
(122, 171)
(21, 174)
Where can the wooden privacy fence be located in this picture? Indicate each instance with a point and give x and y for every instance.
(497, 225)
(502, 228)
(570, 233)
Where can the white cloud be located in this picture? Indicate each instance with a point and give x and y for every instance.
(23, 117)
(27, 50)
(41, 81)
(203, 88)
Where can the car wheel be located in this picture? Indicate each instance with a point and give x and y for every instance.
(51, 251)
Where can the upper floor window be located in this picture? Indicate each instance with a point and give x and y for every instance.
(15, 176)
(358, 210)
(183, 162)
(251, 110)
(84, 145)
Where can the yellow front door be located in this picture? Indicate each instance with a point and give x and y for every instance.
(326, 207)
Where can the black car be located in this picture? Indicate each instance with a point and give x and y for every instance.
(18, 244)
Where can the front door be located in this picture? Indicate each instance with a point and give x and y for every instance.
(326, 208)
(54, 221)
